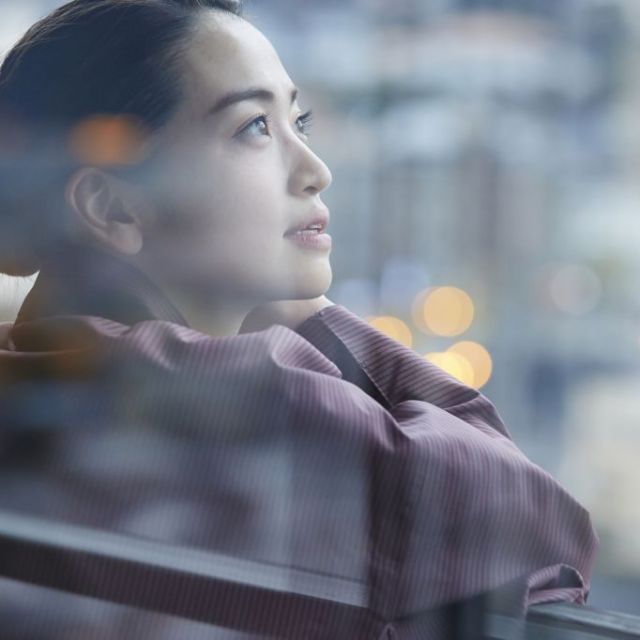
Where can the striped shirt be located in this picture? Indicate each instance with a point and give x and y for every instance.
(331, 449)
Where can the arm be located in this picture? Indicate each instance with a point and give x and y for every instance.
(390, 372)
(461, 449)
(510, 483)
(380, 366)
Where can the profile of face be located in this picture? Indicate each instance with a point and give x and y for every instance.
(236, 180)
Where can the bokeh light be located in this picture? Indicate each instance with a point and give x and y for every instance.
(443, 311)
(108, 140)
(454, 364)
(478, 358)
(394, 328)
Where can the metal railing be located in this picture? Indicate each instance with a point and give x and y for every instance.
(235, 593)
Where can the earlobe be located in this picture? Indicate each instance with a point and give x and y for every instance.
(103, 211)
(126, 238)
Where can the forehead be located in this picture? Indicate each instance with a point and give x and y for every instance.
(227, 53)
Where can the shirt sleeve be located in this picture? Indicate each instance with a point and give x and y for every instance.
(480, 501)
(392, 373)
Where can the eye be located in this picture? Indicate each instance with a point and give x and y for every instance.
(303, 122)
(257, 127)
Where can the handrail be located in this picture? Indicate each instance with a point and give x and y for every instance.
(560, 620)
(236, 593)
(199, 585)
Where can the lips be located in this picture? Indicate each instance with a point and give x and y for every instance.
(309, 234)
(316, 223)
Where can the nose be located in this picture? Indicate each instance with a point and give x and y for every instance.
(309, 174)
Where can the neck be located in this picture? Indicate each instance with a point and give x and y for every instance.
(218, 317)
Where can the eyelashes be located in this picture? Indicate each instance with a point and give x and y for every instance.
(304, 122)
(261, 125)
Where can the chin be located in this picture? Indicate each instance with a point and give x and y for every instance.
(312, 283)
(301, 281)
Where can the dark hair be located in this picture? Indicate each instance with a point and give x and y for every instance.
(88, 58)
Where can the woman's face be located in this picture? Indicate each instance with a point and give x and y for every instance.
(237, 176)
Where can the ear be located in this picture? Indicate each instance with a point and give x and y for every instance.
(106, 210)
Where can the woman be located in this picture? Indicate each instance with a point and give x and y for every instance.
(157, 173)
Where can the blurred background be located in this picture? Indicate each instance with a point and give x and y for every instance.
(486, 162)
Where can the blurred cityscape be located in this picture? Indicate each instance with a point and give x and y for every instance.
(486, 162)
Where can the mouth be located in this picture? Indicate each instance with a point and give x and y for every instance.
(314, 225)
(310, 234)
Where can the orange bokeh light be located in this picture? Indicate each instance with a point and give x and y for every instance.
(444, 311)
(108, 141)
(479, 359)
(394, 328)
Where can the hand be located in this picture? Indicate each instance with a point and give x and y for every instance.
(5, 327)
(290, 313)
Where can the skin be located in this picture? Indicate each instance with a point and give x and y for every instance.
(228, 186)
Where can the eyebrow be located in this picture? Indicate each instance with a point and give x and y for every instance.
(253, 93)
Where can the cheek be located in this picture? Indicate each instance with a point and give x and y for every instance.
(233, 211)
(238, 227)
(245, 202)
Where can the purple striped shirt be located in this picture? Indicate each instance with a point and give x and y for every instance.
(331, 448)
